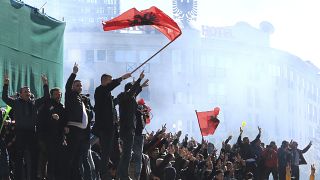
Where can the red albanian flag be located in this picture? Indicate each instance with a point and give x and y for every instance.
(152, 16)
(208, 122)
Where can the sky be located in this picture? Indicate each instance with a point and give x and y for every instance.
(296, 22)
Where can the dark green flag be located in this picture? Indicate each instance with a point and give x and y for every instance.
(31, 44)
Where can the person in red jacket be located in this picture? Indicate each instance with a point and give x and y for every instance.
(270, 157)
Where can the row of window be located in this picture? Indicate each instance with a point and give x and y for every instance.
(294, 79)
(124, 56)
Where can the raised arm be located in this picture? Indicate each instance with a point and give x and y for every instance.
(258, 136)
(116, 82)
(134, 89)
(227, 140)
(8, 100)
(46, 95)
(71, 78)
(143, 85)
(307, 147)
(239, 141)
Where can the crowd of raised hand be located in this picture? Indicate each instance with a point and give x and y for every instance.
(44, 139)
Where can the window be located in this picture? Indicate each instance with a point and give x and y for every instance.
(89, 56)
(101, 55)
(176, 61)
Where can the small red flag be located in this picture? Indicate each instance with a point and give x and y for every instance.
(152, 16)
(208, 122)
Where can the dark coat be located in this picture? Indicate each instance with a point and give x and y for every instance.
(47, 126)
(25, 112)
(246, 151)
(104, 107)
(284, 157)
(302, 160)
(73, 102)
(127, 109)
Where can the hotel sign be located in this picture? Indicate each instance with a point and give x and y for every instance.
(216, 32)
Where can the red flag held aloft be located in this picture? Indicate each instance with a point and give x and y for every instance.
(208, 122)
(152, 16)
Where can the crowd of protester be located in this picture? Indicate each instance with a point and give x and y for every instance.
(44, 139)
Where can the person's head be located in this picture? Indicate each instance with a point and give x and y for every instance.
(284, 144)
(77, 86)
(155, 153)
(25, 93)
(273, 145)
(229, 165)
(55, 94)
(246, 140)
(294, 145)
(105, 79)
(127, 86)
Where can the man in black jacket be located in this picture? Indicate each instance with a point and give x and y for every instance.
(284, 158)
(297, 158)
(127, 109)
(25, 113)
(105, 118)
(51, 122)
(77, 121)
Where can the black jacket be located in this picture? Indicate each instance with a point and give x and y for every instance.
(47, 126)
(104, 106)
(25, 112)
(127, 109)
(73, 102)
(246, 150)
(302, 160)
(140, 117)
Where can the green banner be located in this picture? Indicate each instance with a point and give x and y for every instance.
(31, 44)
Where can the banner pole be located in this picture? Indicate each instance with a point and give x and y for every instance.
(154, 55)
(199, 125)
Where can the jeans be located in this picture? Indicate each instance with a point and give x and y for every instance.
(137, 155)
(295, 172)
(87, 168)
(25, 152)
(127, 143)
(4, 160)
(106, 144)
(76, 139)
(274, 172)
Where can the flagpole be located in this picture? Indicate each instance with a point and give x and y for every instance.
(154, 55)
(199, 125)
